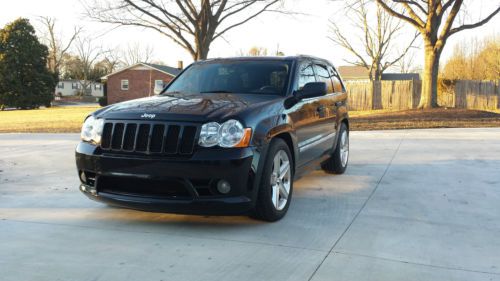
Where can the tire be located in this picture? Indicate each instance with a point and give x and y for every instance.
(275, 189)
(336, 164)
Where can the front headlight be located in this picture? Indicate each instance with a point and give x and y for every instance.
(230, 134)
(209, 135)
(92, 130)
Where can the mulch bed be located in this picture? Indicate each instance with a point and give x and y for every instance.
(430, 118)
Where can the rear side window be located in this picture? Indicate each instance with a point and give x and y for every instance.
(324, 76)
(306, 74)
(337, 84)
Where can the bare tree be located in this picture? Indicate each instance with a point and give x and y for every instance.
(377, 51)
(113, 60)
(490, 59)
(88, 54)
(135, 53)
(257, 51)
(193, 25)
(407, 64)
(57, 48)
(474, 59)
(436, 20)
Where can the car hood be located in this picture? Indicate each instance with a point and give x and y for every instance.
(186, 107)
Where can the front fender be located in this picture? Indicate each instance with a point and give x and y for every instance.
(277, 126)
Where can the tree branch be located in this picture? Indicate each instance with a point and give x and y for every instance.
(415, 3)
(477, 24)
(264, 9)
(399, 15)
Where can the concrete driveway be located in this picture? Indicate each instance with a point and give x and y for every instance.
(414, 205)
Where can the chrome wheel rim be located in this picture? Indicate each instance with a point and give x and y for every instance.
(344, 148)
(280, 180)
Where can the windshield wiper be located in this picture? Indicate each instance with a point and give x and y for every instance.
(169, 93)
(217, 91)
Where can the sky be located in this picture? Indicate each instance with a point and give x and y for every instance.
(305, 33)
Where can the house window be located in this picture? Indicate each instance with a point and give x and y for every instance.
(97, 87)
(60, 85)
(158, 86)
(74, 85)
(159, 83)
(124, 85)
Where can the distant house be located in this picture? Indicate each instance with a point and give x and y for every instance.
(354, 73)
(359, 73)
(139, 80)
(74, 87)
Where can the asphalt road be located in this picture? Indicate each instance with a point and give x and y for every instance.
(414, 205)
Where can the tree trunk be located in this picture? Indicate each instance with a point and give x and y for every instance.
(376, 71)
(202, 50)
(202, 53)
(378, 74)
(428, 97)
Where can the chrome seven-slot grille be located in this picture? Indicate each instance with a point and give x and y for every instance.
(148, 137)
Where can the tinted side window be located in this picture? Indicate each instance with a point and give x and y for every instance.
(337, 85)
(306, 74)
(324, 76)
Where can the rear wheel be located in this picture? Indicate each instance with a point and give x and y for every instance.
(275, 191)
(337, 163)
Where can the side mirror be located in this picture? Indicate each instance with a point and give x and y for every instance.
(311, 90)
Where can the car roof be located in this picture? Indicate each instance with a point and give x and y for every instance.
(265, 58)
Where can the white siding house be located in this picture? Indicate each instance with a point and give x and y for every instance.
(73, 87)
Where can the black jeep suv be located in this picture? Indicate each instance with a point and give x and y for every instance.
(227, 136)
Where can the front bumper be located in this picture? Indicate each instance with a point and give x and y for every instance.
(173, 185)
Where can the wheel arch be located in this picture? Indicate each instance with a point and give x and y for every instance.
(287, 134)
(346, 122)
(288, 140)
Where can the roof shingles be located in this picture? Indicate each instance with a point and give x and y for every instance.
(170, 70)
(163, 68)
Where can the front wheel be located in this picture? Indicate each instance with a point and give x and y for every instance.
(275, 191)
(337, 163)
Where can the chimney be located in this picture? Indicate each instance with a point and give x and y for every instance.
(180, 65)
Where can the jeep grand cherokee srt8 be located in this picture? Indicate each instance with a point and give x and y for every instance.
(227, 136)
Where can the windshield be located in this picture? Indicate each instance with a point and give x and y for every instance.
(245, 77)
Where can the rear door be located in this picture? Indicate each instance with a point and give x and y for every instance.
(326, 111)
(340, 96)
(304, 114)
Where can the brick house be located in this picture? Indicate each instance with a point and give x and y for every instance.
(138, 81)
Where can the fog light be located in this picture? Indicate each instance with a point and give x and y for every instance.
(223, 187)
(83, 178)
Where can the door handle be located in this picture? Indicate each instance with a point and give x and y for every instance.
(320, 108)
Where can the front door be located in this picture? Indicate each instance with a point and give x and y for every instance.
(311, 119)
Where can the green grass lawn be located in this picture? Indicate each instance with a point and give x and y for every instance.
(45, 120)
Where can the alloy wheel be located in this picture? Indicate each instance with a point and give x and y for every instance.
(344, 148)
(281, 177)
